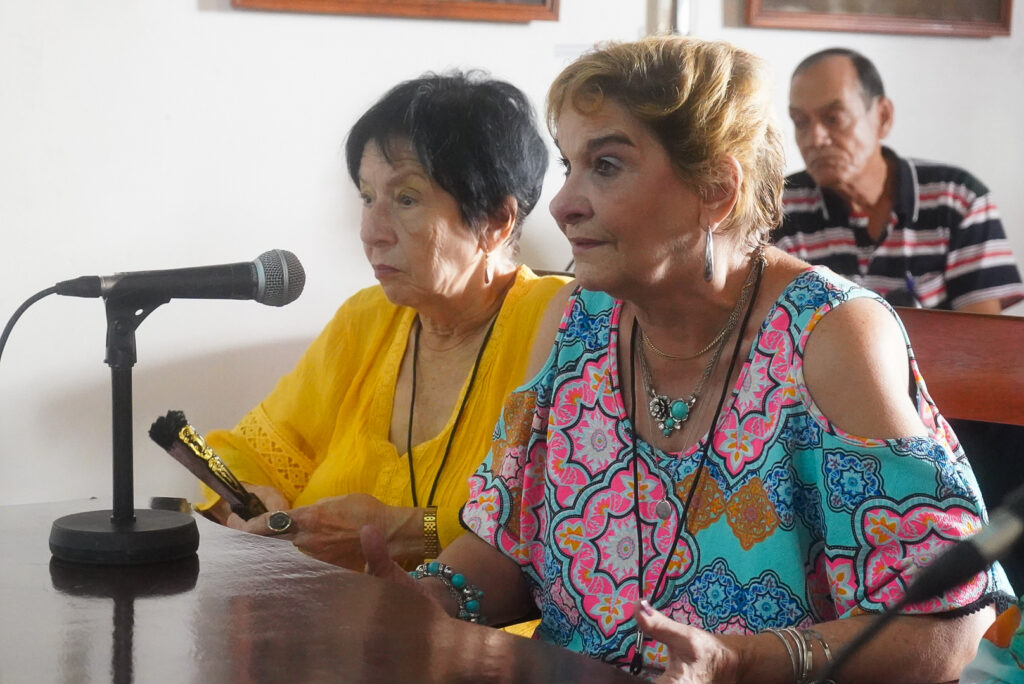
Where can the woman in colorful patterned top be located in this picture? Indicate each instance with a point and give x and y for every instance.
(390, 409)
(715, 470)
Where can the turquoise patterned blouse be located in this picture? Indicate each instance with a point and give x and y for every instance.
(794, 521)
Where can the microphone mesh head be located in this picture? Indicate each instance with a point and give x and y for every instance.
(283, 278)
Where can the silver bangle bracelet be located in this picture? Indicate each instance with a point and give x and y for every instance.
(801, 657)
(801, 652)
(816, 635)
(789, 649)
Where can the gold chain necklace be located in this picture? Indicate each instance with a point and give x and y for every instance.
(665, 355)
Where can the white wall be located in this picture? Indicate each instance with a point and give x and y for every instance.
(141, 134)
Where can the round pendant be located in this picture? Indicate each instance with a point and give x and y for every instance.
(679, 410)
(663, 509)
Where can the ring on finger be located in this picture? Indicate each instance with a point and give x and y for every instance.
(279, 522)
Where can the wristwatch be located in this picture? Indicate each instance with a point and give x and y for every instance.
(431, 544)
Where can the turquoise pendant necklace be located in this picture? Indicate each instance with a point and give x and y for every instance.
(672, 413)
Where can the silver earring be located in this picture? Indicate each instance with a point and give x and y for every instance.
(488, 275)
(709, 257)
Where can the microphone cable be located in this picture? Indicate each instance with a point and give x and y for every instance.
(17, 314)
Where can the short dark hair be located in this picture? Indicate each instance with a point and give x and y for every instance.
(476, 137)
(867, 74)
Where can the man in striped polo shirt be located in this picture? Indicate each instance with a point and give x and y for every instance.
(916, 232)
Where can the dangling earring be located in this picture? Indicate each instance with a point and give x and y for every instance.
(709, 257)
(488, 274)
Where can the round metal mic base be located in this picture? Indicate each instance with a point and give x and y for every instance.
(95, 538)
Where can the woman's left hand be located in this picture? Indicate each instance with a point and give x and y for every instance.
(694, 656)
(329, 529)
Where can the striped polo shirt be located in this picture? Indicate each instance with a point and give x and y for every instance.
(944, 242)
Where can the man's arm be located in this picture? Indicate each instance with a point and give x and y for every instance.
(986, 306)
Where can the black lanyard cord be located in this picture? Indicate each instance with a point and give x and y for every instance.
(458, 416)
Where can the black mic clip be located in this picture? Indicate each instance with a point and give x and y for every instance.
(125, 314)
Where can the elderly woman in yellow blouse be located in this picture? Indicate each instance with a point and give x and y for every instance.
(392, 407)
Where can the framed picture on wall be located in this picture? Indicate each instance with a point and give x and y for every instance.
(970, 18)
(486, 10)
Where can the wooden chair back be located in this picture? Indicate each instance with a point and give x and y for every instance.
(973, 364)
(974, 367)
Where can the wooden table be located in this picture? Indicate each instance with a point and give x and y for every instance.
(246, 609)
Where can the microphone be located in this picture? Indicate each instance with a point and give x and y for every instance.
(274, 278)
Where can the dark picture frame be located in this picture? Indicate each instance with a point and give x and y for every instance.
(480, 10)
(967, 18)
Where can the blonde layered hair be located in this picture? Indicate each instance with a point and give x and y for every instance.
(704, 101)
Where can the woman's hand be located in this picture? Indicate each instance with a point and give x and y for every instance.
(329, 529)
(694, 656)
(923, 648)
(272, 497)
(380, 564)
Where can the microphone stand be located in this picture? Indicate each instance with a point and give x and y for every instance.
(124, 536)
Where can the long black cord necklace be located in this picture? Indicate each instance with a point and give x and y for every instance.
(458, 416)
(636, 662)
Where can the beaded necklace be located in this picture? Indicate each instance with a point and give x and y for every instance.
(458, 416)
(636, 662)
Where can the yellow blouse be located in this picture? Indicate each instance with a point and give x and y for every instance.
(324, 429)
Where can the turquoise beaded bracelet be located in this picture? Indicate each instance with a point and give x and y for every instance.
(466, 595)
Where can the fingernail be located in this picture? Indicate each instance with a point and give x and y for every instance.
(646, 608)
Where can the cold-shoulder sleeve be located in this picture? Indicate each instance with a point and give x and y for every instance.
(879, 509)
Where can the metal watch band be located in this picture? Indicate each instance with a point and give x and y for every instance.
(431, 543)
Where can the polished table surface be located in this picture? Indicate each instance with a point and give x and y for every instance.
(245, 609)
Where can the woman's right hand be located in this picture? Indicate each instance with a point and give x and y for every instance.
(271, 498)
(380, 564)
(378, 561)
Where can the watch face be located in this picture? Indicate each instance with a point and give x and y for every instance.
(279, 522)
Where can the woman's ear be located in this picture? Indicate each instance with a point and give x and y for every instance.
(721, 196)
(500, 225)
